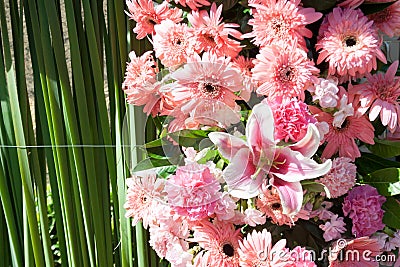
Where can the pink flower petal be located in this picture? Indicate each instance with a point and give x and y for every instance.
(291, 195)
(310, 142)
(228, 145)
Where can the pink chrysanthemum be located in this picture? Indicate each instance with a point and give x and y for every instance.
(349, 42)
(363, 205)
(212, 35)
(341, 178)
(283, 71)
(342, 254)
(144, 192)
(281, 21)
(257, 250)
(206, 78)
(192, 4)
(243, 66)
(388, 20)
(380, 94)
(333, 229)
(193, 191)
(220, 242)
(269, 202)
(299, 257)
(172, 43)
(146, 15)
(342, 139)
(291, 118)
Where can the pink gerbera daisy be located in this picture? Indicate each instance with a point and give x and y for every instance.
(212, 34)
(172, 43)
(192, 4)
(146, 15)
(342, 139)
(220, 242)
(257, 250)
(380, 94)
(357, 3)
(349, 42)
(283, 71)
(144, 192)
(281, 20)
(388, 20)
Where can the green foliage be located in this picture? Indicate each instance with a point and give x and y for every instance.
(385, 148)
(392, 212)
(387, 181)
(319, 5)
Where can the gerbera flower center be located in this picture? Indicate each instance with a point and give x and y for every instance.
(287, 74)
(276, 206)
(209, 90)
(280, 27)
(344, 126)
(228, 250)
(350, 41)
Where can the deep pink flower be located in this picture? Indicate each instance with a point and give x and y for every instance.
(212, 35)
(291, 118)
(192, 4)
(380, 94)
(283, 71)
(299, 257)
(146, 15)
(342, 139)
(357, 3)
(220, 242)
(172, 43)
(342, 255)
(388, 20)
(341, 178)
(143, 194)
(257, 250)
(281, 21)
(193, 191)
(363, 205)
(349, 42)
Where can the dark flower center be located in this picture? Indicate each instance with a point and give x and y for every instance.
(228, 250)
(350, 41)
(345, 124)
(209, 90)
(287, 74)
(276, 206)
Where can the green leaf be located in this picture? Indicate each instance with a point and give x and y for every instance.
(150, 163)
(371, 8)
(387, 181)
(319, 5)
(392, 212)
(189, 138)
(312, 186)
(369, 163)
(385, 148)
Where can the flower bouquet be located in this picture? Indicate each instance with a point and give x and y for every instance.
(276, 124)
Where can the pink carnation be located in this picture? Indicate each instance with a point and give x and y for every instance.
(334, 228)
(341, 178)
(254, 217)
(193, 191)
(326, 92)
(364, 206)
(291, 118)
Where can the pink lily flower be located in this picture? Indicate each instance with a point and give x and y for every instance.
(252, 161)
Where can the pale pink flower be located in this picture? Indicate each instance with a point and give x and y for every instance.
(144, 192)
(357, 3)
(393, 242)
(146, 15)
(363, 205)
(388, 20)
(220, 242)
(345, 110)
(323, 213)
(341, 178)
(244, 65)
(291, 118)
(177, 256)
(381, 238)
(342, 139)
(380, 95)
(225, 208)
(140, 82)
(281, 21)
(172, 43)
(349, 42)
(254, 217)
(252, 159)
(325, 91)
(269, 202)
(192, 4)
(257, 250)
(299, 257)
(212, 35)
(341, 254)
(283, 71)
(304, 213)
(333, 228)
(193, 191)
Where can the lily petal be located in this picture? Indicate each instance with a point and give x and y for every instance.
(310, 142)
(228, 145)
(260, 127)
(238, 175)
(292, 166)
(291, 195)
